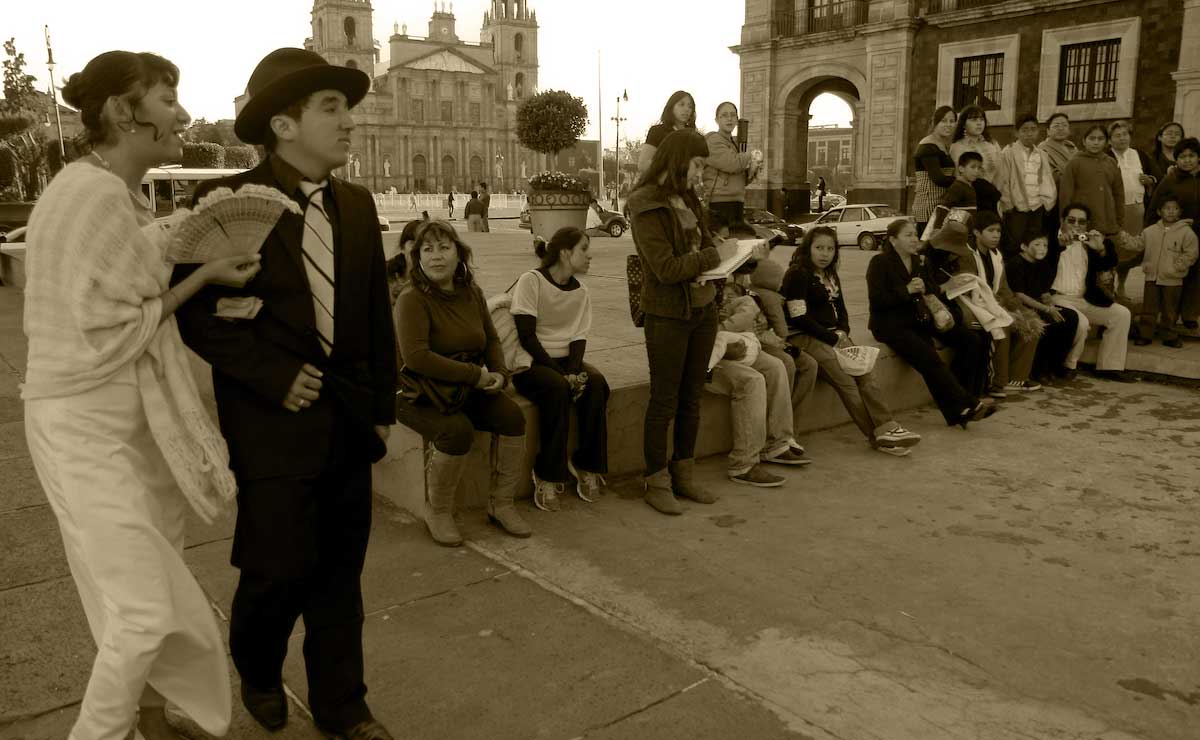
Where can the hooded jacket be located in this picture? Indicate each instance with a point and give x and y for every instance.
(1095, 179)
(1170, 252)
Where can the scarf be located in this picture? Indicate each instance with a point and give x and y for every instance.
(1059, 153)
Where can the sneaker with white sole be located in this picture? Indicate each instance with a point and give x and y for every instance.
(759, 477)
(1019, 386)
(893, 450)
(789, 456)
(997, 392)
(588, 485)
(545, 494)
(898, 436)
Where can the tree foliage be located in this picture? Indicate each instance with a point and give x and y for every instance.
(241, 157)
(205, 154)
(19, 93)
(202, 131)
(551, 121)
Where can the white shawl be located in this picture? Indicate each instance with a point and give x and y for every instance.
(92, 307)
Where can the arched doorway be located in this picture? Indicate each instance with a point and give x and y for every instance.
(810, 153)
(476, 172)
(447, 173)
(420, 174)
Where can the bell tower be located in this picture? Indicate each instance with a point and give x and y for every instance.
(341, 32)
(512, 29)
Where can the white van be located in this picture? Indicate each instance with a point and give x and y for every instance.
(168, 188)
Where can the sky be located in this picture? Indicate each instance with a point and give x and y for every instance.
(217, 43)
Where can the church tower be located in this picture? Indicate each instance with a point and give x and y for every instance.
(512, 29)
(341, 32)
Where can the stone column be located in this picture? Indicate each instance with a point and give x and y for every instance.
(1187, 79)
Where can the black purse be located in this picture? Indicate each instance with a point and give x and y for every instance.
(445, 396)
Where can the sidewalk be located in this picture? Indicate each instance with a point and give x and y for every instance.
(1032, 577)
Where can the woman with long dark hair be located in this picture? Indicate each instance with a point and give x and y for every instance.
(675, 246)
(1165, 141)
(933, 166)
(971, 135)
(1093, 178)
(553, 314)
(118, 435)
(679, 113)
(897, 280)
(446, 340)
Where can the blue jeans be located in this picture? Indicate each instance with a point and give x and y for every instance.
(678, 351)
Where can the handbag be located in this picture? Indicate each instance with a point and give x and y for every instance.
(445, 396)
(940, 317)
(634, 277)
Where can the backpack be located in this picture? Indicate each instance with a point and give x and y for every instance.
(634, 276)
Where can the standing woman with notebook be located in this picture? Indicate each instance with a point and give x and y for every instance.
(675, 246)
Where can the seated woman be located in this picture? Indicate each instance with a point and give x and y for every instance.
(446, 342)
(553, 314)
(821, 325)
(897, 279)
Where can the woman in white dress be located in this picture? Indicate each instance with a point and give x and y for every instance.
(116, 429)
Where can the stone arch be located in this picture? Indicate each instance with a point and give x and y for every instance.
(448, 173)
(519, 46)
(476, 170)
(420, 173)
(790, 127)
(351, 29)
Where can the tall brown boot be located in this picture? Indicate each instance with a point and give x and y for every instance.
(442, 475)
(683, 481)
(510, 459)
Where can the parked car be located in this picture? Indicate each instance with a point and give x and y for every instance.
(613, 223)
(864, 224)
(760, 217)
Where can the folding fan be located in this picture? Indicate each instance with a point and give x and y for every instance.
(225, 223)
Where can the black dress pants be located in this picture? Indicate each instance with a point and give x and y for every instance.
(548, 390)
(1055, 344)
(300, 544)
(917, 349)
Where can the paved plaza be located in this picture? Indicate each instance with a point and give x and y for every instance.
(1035, 577)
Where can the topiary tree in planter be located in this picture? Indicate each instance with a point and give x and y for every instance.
(204, 155)
(241, 157)
(547, 123)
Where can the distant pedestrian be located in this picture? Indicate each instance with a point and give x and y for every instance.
(822, 188)
(485, 197)
(450, 204)
(679, 113)
(473, 212)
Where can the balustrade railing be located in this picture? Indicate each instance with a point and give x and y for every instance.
(820, 16)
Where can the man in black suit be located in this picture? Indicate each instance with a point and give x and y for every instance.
(305, 392)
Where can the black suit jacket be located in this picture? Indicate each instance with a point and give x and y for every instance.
(892, 306)
(256, 361)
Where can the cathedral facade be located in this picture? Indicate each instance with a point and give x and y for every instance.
(441, 114)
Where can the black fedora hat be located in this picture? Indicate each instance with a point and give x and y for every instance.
(287, 75)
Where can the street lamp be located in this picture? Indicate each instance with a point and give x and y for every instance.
(617, 198)
(62, 147)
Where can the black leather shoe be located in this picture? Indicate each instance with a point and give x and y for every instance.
(268, 707)
(369, 730)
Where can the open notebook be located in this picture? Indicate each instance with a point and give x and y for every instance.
(745, 249)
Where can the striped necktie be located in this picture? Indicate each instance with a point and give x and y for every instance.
(317, 246)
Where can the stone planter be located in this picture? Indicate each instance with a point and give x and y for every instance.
(551, 210)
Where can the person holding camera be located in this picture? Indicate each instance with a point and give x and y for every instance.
(1085, 282)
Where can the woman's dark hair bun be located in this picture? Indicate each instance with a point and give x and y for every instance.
(72, 92)
(539, 247)
(115, 73)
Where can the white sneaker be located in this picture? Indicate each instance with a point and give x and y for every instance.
(1022, 385)
(898, 436)
(893, 451)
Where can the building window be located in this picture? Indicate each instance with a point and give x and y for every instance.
(979, 81)
(846, 150)
(475, 114)
(351, 31)
(418, 110)
(1087, 72)
(447, 111)
(420, 173)
(822, 152)
(476, 171)
(519, 47)
(447, 173)
(981, 72)
(812, 153)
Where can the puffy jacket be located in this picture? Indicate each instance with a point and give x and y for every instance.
(669, 265)
(725, 170)
(1170, 252)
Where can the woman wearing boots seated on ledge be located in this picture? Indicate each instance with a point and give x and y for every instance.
(553, 314)
(453, 379)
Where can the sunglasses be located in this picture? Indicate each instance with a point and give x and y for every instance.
(1076, 221)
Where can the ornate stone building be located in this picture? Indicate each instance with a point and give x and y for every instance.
(894, 61)
(441, 113)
